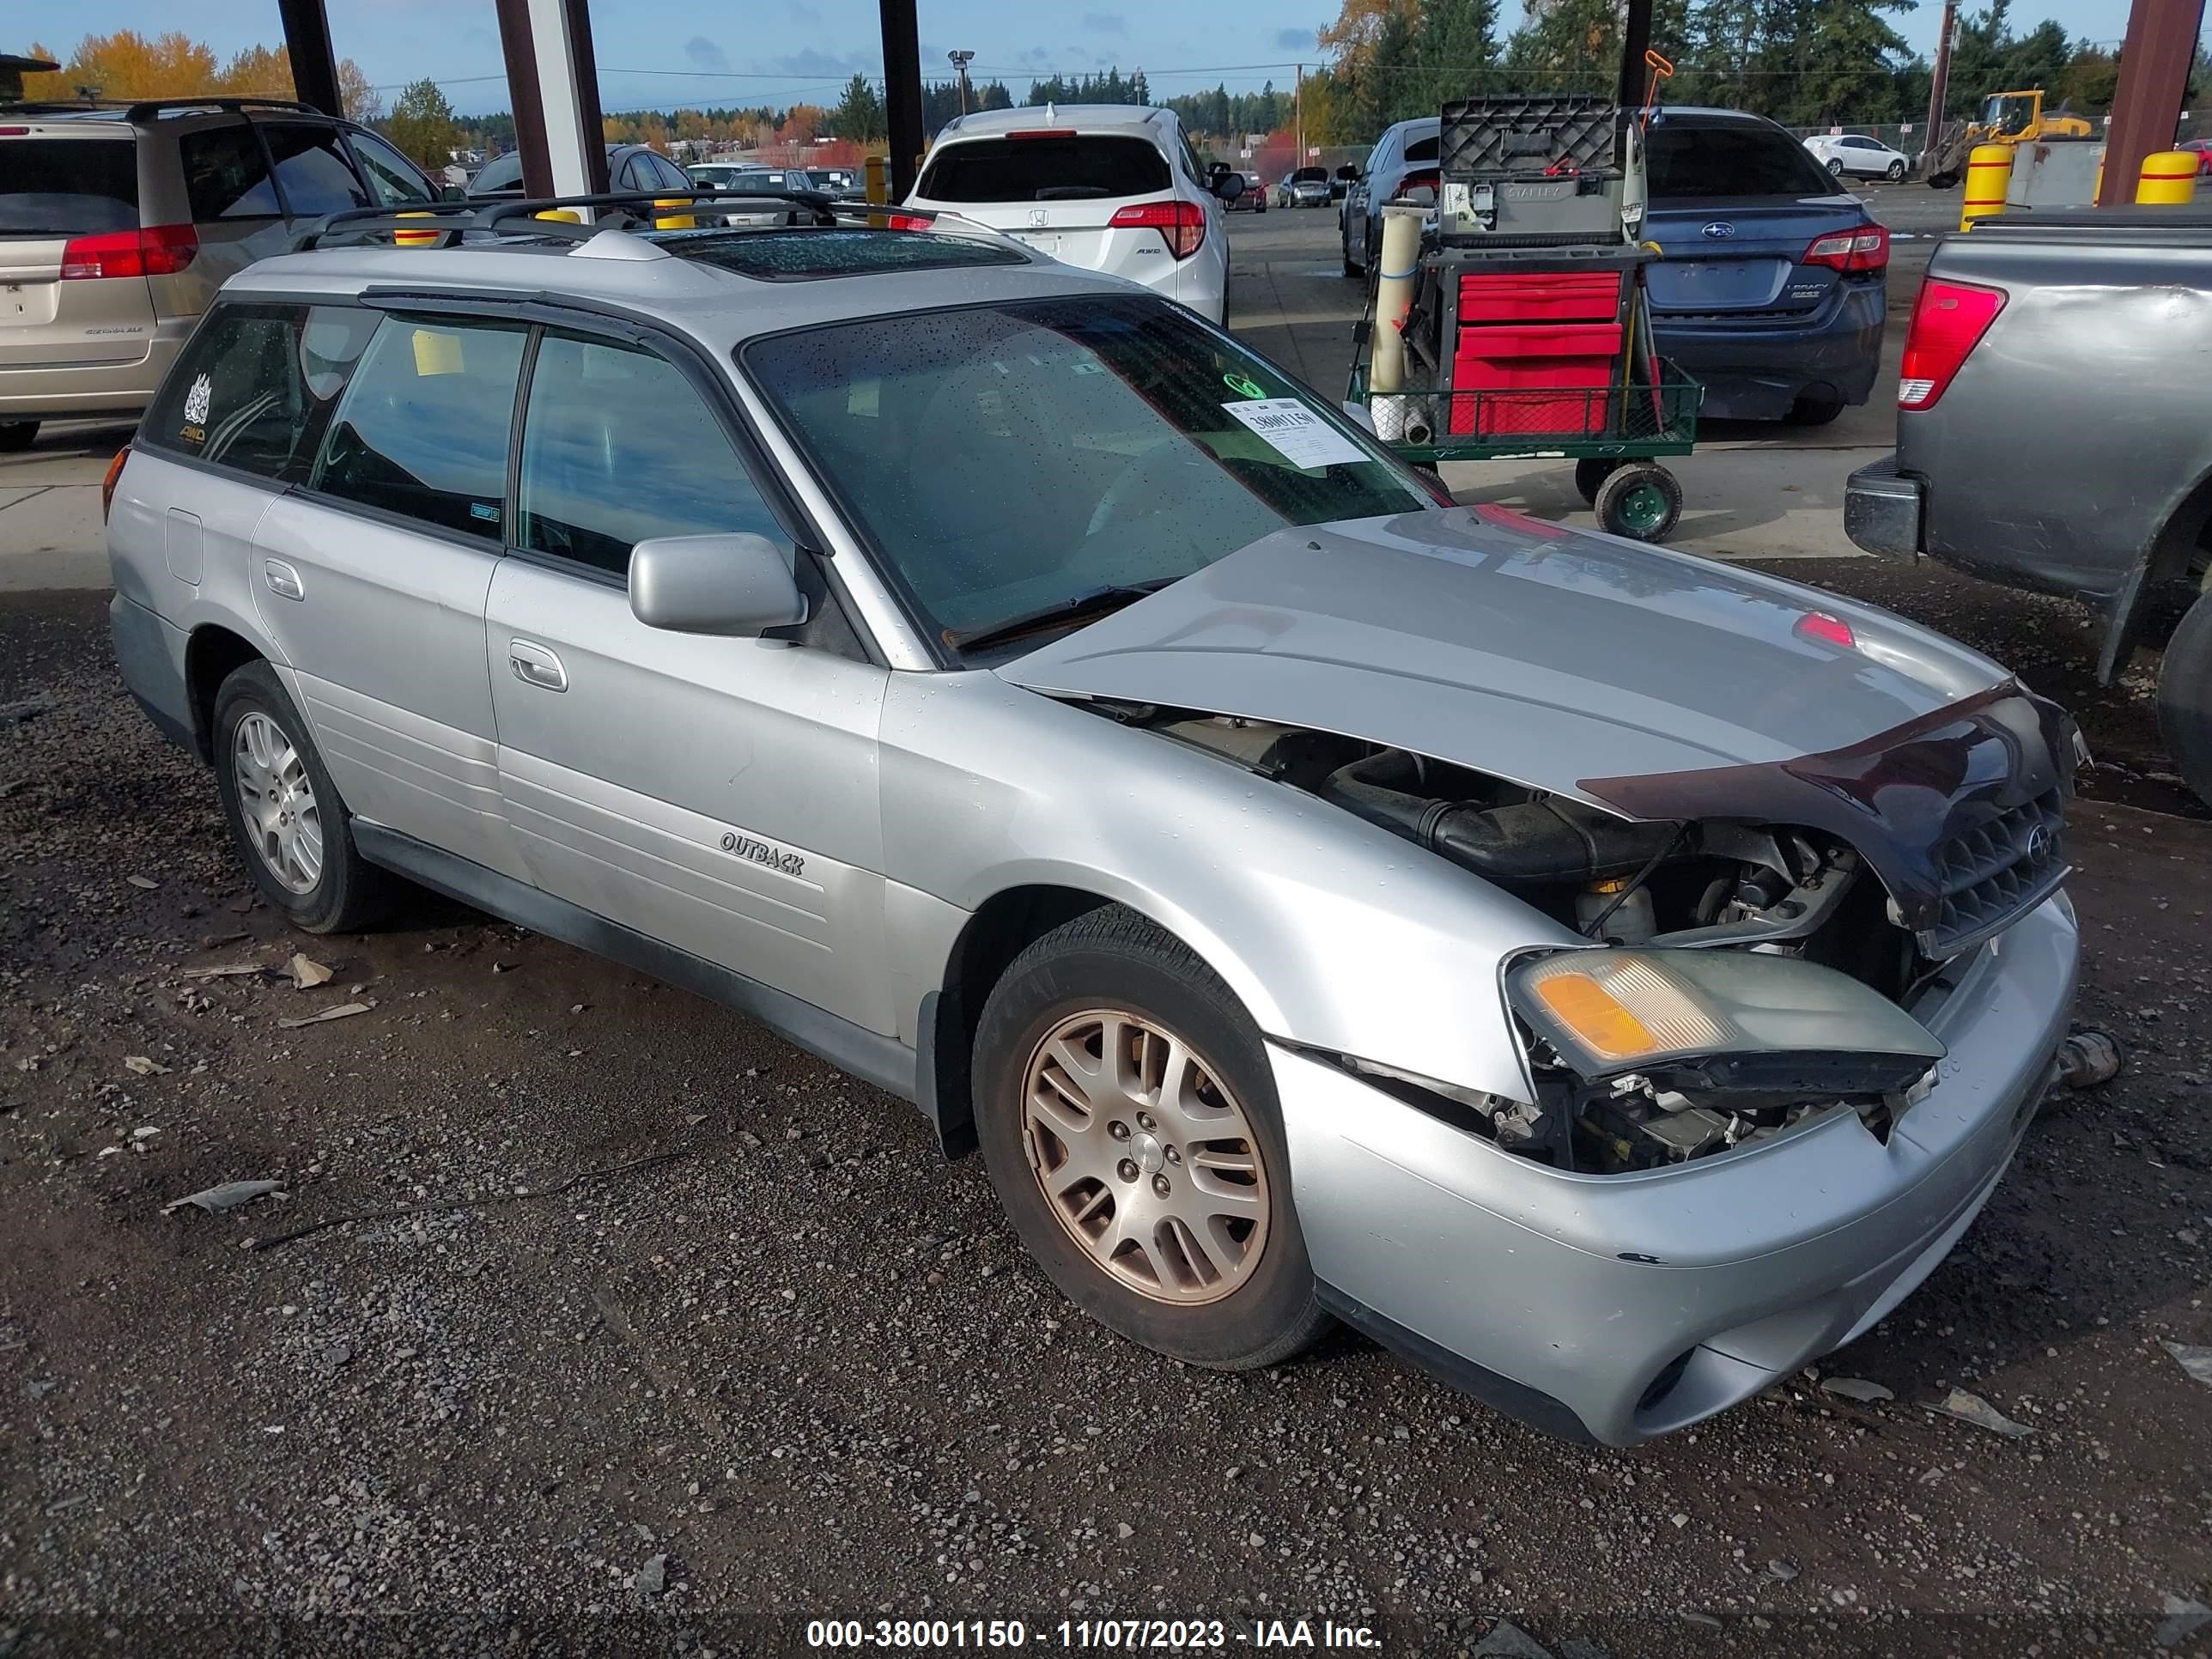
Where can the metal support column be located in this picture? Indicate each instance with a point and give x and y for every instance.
(1635, 41)
(1939, 83)
(520, 51)
(2161, 43)
(902, 91)
(556, 68)
(315, 65)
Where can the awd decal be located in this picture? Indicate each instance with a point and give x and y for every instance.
(760, 852)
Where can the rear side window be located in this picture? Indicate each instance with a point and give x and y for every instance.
(1074, 168)
(1424, 150)
(1731, 161)
(313, 171)
(423, 429)
(618, 446)
(67, 186)
(226, 175)
(502, 172)
(256, 387)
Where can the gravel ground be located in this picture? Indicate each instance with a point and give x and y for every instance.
(800, 1368)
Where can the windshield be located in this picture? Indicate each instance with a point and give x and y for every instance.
(1046, 166)
(2009, 113)
(1005, 459)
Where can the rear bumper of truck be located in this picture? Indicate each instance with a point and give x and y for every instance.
(1882, 510)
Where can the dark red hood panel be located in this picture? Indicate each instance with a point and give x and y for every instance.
(1958, 810)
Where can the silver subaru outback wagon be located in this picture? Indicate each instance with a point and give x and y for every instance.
(1611, 978)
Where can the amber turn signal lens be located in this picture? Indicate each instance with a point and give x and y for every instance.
(1588, 1010)
(107, 484)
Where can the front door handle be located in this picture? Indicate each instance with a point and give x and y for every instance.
(533, 664)
(282, 580)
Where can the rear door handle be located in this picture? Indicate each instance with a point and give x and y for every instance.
(533, 664)
(282, 580)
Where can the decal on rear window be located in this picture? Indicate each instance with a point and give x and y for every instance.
(196, 410)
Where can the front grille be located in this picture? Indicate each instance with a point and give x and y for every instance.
(1992, 874)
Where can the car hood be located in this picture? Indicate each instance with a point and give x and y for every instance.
(1550, 657)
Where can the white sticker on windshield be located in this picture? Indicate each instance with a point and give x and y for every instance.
(1304, 440)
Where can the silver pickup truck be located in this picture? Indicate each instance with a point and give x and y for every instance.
(2054, 432)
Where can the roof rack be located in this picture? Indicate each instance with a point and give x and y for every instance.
(147, 109)
(635, 210)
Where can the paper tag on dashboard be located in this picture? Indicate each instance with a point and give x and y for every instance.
(1304, 440)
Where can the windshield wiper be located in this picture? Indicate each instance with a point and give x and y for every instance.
(1061, 613)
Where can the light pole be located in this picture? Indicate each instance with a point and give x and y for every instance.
(960, 62)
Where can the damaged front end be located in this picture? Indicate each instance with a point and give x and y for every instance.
(1758, 934)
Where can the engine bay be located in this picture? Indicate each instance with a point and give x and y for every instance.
(1706, 884)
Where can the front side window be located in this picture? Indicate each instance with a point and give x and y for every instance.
(226, 175)
(256, 388)
(1005, 459)
(423, 429)
(617, 446)
(390, 175)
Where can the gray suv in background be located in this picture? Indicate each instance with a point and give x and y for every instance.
(118, 224)
(1613, 978)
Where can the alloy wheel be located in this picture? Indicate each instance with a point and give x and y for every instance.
(277, 802)
(1145, 1159)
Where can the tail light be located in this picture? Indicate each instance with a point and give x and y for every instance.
(1851, 251)
(907, 222)
(1425, 179)
(150, 251)
(1181, 225)
(1949, 321)
(107, 484)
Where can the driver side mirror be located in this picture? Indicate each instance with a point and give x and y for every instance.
(738, 586)
(1228, 185)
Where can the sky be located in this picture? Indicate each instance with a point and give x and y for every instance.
(661, 53)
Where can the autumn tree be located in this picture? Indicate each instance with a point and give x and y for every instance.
(127, 64)
(421, 125)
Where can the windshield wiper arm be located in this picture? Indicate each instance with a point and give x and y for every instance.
(1080, 608)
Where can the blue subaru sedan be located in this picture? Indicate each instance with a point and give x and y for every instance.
(1772, 288)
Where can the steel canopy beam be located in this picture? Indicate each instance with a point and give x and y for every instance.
(903, 92)
(2155, 63)
(1635, 41)
(315, 65)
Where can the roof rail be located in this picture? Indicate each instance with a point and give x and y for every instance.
(147, 109)
(637, 211)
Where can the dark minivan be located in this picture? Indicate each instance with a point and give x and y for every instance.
(1772, 288)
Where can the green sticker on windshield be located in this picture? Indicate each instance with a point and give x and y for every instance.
(1243, 388)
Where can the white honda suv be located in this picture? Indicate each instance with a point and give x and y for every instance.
(1110, 187)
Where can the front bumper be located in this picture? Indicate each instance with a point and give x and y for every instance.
(1615, 1309)
(1882, 510)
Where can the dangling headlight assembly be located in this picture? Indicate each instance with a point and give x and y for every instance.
(1728, 1022)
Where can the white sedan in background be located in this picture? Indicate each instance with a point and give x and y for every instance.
(1855, 154)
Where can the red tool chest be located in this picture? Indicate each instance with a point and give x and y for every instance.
(1573, 360)
(1565, 296)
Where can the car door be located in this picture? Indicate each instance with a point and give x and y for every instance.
(718, 795)
(371, 575)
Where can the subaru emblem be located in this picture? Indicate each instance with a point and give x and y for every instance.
(1719, 231)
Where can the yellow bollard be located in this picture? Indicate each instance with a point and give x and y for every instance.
(879, 177)
(415, 237)
(2169, 179)
(1989, 171)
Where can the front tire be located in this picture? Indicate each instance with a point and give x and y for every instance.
(290, 824)
(1895, 174)
(16, 436)
(1128, 1115)
(2184, 698)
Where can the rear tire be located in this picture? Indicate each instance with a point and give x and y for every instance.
(1115, 989)
(2184, 698)
(1814, 412)
(1942, 180)
(272, 782)
(17, 435)
(1641, 501)
(1590, 474)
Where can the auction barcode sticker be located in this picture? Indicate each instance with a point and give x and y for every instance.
(1303, 438)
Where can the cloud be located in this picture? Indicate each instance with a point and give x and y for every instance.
(1297, 39)
(800, 12)
(705, 54)
(1105, 22)
(828, 65)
